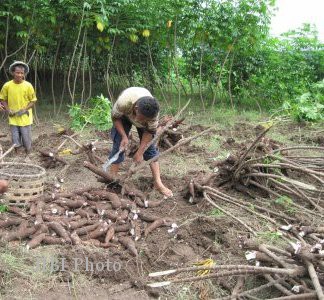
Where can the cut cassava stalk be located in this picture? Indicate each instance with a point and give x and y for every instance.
(238, 286)
(229, 214)
(297, 271)
(252, 291)
(278, 285)
(315, 281)
(219, 196)
(258, 270)
(100, 172)
(182, 142)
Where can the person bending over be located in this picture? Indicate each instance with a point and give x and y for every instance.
(136, 106)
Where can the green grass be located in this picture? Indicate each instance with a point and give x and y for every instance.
(216, 213)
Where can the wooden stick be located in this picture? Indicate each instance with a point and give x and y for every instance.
(63, 143)
(314, 278)
(182, 142)
(73, 140)
(238, 286)
(7, 152)
(229, 214)
(100, 172)
(278, 286)
(259, 288)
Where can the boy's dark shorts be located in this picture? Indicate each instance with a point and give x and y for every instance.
(151, 151)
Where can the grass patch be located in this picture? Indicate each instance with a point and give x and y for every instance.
(216, 213)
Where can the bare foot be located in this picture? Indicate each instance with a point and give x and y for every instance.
(163, 190)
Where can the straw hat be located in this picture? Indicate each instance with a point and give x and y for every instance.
(21, 63)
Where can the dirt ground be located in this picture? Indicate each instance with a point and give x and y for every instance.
(203, 232)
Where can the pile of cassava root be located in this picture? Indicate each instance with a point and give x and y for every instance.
(84, 217)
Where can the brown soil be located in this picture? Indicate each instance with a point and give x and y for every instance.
(200, 233)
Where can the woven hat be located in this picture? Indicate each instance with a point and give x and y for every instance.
(21, 63)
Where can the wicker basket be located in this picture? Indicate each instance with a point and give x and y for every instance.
(26, 182)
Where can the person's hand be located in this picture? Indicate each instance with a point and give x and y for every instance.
(138, 157)
(11, 113)
(22, 112)
(124, 143)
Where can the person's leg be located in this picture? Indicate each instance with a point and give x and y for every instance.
(151, 152)
(116, 138)
(25, 132)
(15, 137)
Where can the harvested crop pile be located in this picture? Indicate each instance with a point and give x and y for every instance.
(88, 216)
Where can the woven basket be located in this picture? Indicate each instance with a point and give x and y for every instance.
(26, 182)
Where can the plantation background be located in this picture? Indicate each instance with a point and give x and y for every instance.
(218, 53)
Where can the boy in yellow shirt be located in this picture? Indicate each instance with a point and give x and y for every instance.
(18, 97)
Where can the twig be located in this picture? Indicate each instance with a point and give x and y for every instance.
(7, 152)
(73, 140)
(182, 142)
(243, 207)
(238, 164)
(278, 285)
(63, 143)
(314, 278)
(229, 214)
(100, 172)
(255, 290)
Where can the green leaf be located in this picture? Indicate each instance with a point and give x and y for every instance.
(3, 208)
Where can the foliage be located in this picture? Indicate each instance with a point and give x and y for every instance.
(309, 106)
(3, 208)
(283, 67)
(286, 203)
(96, 112)
(217, 52)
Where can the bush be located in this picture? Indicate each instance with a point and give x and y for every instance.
(96, 112)
(309, 106)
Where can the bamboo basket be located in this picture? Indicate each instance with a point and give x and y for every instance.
(26, 182)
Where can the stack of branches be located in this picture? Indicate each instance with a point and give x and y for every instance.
(265, 170)
(279, 172)
(297, 272)
(86, 216)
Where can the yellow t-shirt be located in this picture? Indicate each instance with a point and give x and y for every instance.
(18, 96)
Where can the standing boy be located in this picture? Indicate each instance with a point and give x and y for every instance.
(18, 98)
(136, 106)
